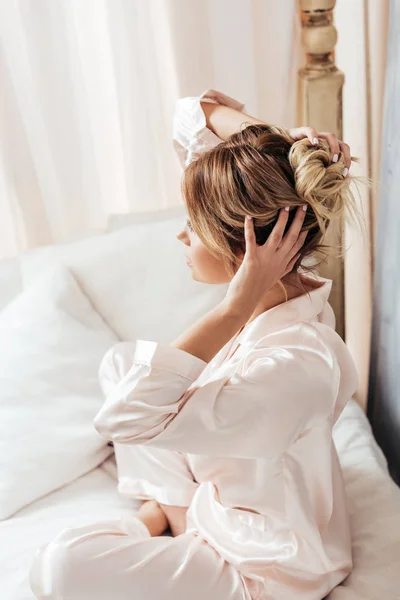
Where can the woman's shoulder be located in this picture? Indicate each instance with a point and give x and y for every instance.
(308, 352)
(299, 339)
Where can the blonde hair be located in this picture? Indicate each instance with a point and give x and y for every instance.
(258, 171)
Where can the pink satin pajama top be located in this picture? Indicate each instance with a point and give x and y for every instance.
(255, 425)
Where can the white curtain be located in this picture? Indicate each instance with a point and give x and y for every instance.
(87, 95)
(361, 54)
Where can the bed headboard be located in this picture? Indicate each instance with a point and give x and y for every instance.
(320, 105)
(384, 383)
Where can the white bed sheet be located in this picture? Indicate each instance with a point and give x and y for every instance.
(92, 497)
(374, 504)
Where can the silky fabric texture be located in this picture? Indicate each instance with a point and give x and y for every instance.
(244, 441)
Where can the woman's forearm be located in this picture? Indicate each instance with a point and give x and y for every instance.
(224, 120)
(211, 332)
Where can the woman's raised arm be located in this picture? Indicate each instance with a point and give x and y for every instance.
(224, 120)
(191, 136)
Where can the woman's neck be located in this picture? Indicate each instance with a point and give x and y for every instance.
(295, 284)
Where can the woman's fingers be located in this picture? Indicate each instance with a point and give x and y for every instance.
(298, 244)
(275, 238)
(334, 144)
(294, 254)
(288, 244)
(311, 134)
(298, 133)
(292, 263)
(292, 235)
(337, 147)
(345, 148)
(250, 236)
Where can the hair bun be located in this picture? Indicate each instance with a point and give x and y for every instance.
(319, 181)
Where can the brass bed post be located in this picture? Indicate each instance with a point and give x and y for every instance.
(320, 105)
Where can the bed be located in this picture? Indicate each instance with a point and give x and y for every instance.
(73, 292)
(79, 291)
(374, 512)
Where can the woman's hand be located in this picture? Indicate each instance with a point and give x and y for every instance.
(336, 146)
(153, 516)
(264, 265)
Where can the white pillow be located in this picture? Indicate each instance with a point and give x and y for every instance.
(136, 277)
(51, 346)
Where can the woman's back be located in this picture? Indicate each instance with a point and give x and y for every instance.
(267, 489)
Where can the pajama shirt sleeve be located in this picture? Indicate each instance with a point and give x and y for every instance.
(190, 134)
(154, 399)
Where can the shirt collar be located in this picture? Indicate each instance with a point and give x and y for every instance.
(303, 308)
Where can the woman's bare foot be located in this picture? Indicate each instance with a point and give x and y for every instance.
(176, 516)
(152, 515)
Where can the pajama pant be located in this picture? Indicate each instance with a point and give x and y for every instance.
(119, 560)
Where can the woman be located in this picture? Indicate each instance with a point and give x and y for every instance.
(227, 431)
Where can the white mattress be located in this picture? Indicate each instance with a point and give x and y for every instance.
(90, 498)
(374, 503)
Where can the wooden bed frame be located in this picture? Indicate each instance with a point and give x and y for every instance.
(320, 85)
(320, 95)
